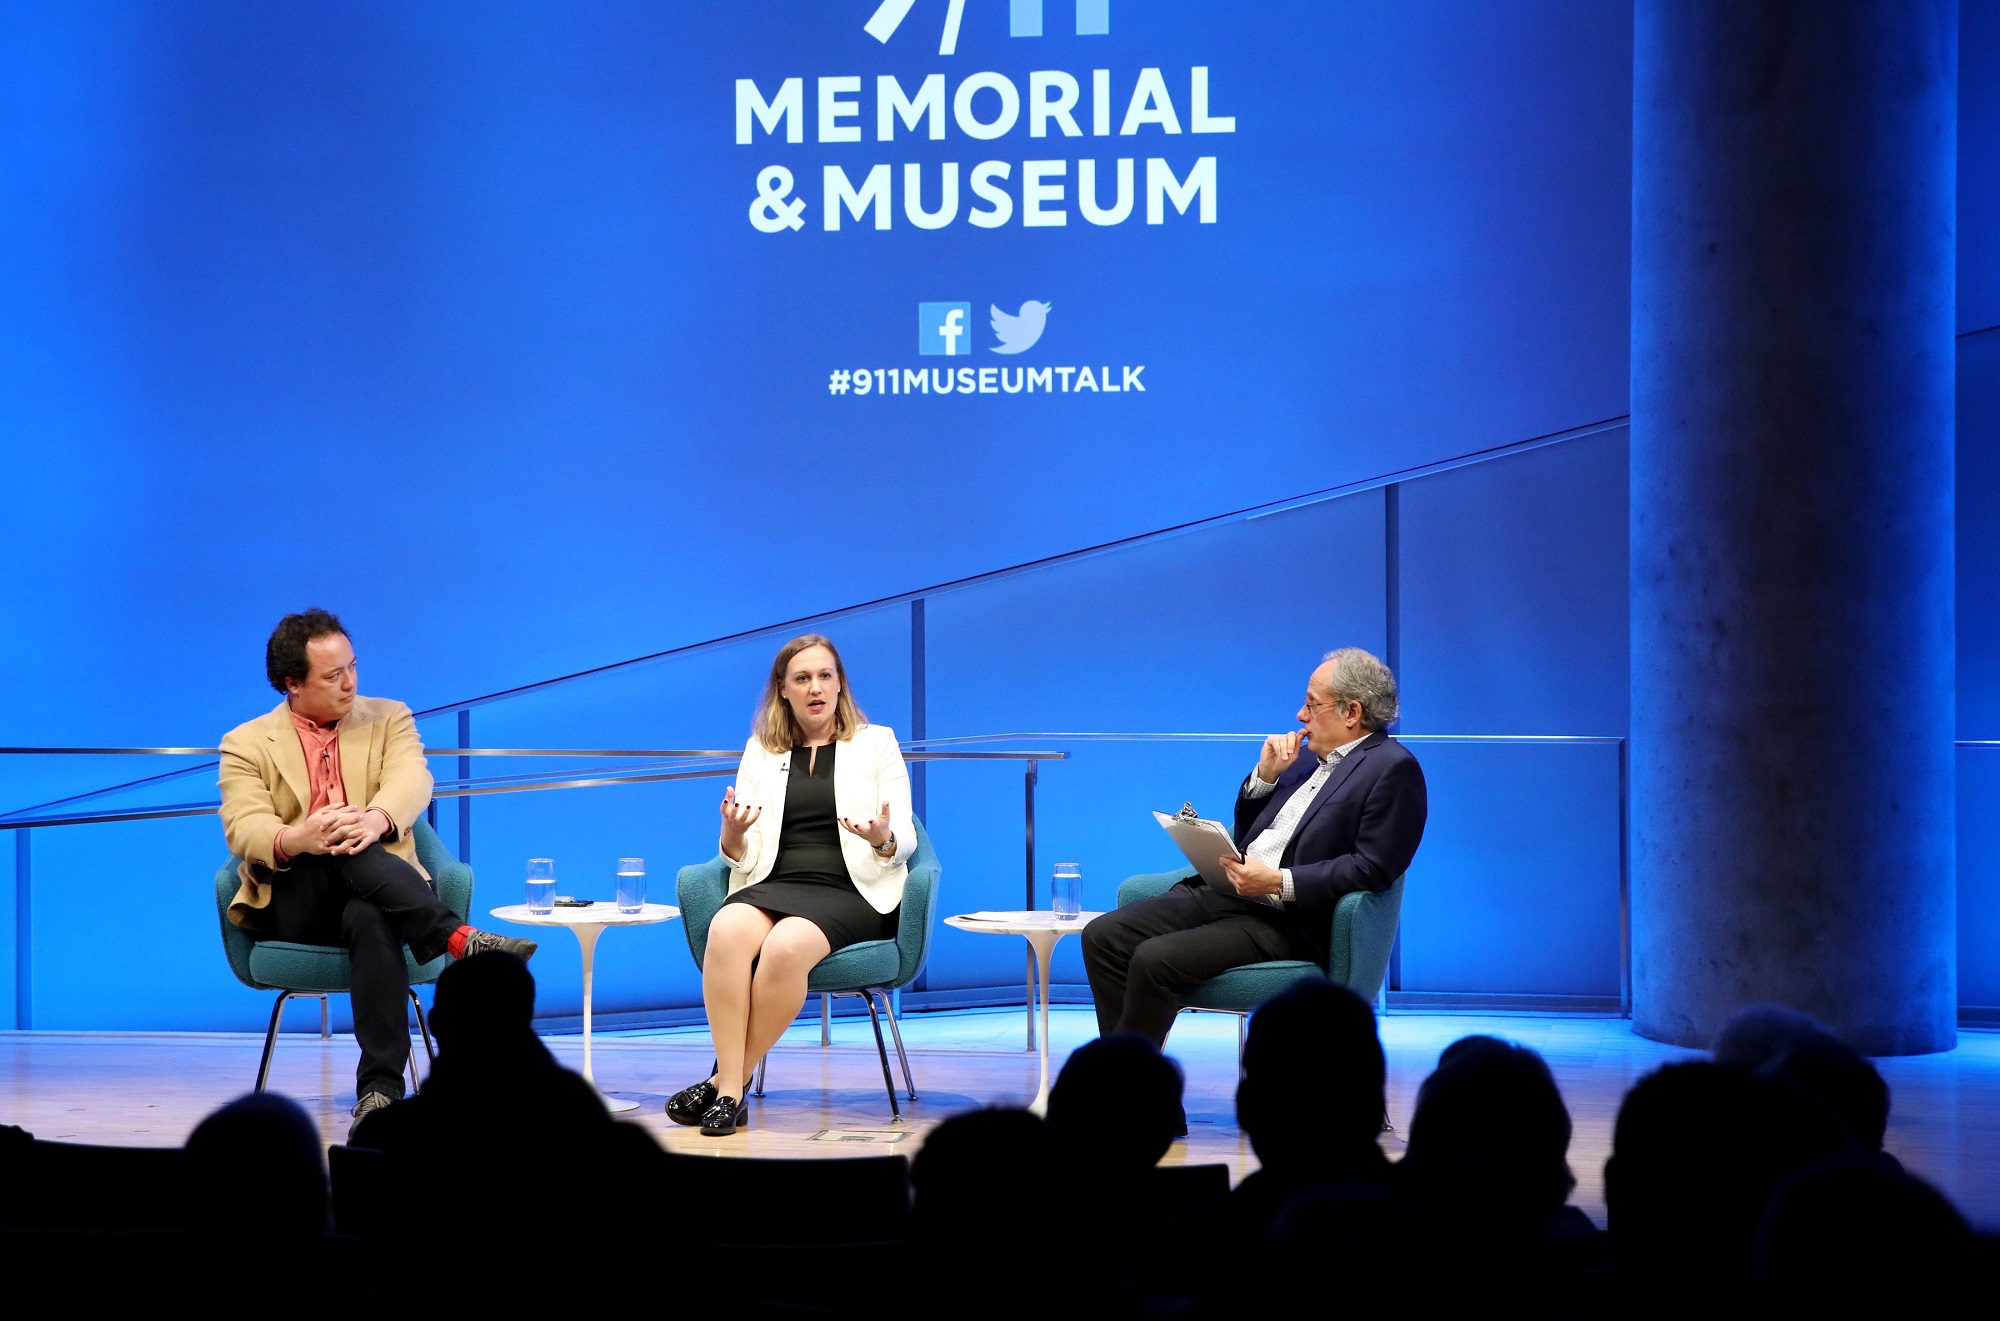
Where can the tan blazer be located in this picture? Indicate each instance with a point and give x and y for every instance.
(868, 771)
(265, 787)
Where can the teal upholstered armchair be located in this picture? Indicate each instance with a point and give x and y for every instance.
(868, 971)
(317, 971)
(1364, 931)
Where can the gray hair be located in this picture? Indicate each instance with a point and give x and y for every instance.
(1359, 677)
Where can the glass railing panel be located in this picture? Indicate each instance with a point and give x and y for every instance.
(1516, 887)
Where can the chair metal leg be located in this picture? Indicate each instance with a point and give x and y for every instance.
(896, 1034)
(825, 1018)
(882, 1049)
(757, 1086)
(423, 1029)
(1242, 1027)
(271, 1038)
(325, 1030)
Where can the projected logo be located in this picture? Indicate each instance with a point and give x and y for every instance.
(1024, 19)
(944, 328)
(1107, 176)
(1019, 332)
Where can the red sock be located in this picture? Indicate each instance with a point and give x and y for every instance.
(456, 945)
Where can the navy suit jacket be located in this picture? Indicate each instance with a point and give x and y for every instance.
(1359, 834)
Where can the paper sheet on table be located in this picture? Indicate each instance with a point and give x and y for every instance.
(1017, 916)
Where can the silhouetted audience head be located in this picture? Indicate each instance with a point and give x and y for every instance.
(1466, 1045)
(1118, 1103)
(979, 1179)
(979, 1163)
(257, 1166)
(482, 1000)
(1856, 1231)
(484, 1018)
(1753, 1037)
(1312, 1076)
(1840, 1076)
(1492, 1117)
(1696, 1153)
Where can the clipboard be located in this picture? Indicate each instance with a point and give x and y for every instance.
(1205, 844)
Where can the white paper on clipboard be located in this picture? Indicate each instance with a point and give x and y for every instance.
(1205, 843)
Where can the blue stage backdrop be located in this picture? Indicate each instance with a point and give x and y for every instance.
(495, 280)
(533, 337)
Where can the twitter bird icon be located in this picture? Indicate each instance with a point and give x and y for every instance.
(1019, 332)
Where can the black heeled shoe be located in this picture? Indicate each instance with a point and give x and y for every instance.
(724, 1117)
(688, 1105)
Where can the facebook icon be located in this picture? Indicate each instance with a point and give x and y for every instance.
(944, 328)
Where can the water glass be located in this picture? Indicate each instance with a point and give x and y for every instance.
(541, 885)
(1066, 891)
(631, 884)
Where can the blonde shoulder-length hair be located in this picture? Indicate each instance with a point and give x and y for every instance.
(776, 727)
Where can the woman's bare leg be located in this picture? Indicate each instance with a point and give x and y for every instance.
(791, 949)
(734, 938)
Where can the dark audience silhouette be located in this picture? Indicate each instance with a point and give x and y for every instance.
(1753, 1036)
(260, 1151)
(1311, 1102)
(1117, 1104)
(1488, 1164)
(1753, 1180)
(1114, 1111)
(1697, 1151)
(1855, 1233)
(505, 1137)
(494, 1086)
(1842, 1078)
(983, 1185)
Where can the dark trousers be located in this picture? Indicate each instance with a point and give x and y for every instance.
(373, 903)
(1140, 957)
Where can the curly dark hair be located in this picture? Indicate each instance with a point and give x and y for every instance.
(285, 653)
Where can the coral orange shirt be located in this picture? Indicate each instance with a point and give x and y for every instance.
(322, 749)
(321, 744)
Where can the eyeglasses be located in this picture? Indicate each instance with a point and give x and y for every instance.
(1313, 708)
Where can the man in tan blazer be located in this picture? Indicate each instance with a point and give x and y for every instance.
(319, 799)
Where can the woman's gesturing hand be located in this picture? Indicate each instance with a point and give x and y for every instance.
(875, 830)
(736, 822)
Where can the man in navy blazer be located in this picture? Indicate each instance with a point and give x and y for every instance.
(1347, 817)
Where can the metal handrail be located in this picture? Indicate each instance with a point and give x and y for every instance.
(500, 785)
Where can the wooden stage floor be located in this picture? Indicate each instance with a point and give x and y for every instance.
(152, 1088)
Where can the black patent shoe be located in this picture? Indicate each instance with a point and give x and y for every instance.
(689, 1104)
(724, 1117)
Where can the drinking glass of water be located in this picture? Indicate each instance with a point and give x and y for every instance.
(541, 885)
(1066, 891)
(631, 884)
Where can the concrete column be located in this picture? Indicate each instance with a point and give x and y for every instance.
(1794, 194)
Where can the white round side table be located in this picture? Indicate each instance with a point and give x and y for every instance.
(1043, 929)
(588, 924)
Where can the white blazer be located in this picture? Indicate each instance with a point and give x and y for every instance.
(868, 771)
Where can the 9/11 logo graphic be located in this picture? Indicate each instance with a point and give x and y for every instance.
(1024, 19)
(944, 329)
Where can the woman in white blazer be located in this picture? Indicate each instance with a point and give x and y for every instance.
(817, 834)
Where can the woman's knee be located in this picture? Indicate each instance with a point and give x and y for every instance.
(792, 948)
(736, 932)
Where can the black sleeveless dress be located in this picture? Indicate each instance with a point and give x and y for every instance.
(809, 878)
